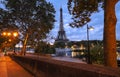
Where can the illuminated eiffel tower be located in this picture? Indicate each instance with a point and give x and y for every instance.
(61, 37)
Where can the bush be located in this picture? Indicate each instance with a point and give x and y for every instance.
(44, 48)
(97, 54)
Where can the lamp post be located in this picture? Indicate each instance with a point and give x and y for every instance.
(10, 34)
(15, 34)
(88, 46)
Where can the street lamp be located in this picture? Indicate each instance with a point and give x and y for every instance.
(88, 46)
(10, 34)
(15, 34)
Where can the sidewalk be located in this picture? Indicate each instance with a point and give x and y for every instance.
(9, 68)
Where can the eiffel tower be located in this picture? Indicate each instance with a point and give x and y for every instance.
(61, 37)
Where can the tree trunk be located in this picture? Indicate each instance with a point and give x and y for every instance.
(23, 52)
(110, 33)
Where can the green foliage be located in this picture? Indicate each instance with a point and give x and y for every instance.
(81, 10)
(2, 40)
(5, 41)
(44, 48)
(59, 44)
(32, 17)
(97, 54)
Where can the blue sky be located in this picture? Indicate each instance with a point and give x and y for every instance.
(77, 34)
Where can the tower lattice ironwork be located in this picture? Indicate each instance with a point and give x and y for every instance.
(61, 37)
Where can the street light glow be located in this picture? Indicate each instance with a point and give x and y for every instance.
(9, 40)
(91, 28)
(15, 34)
(4, 33)
(9, 34)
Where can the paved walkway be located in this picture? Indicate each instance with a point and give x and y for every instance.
(9, 68)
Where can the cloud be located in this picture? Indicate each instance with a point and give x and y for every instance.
(75, 34)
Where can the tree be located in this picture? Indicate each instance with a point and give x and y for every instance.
(82, 10)
(7, 40)
(97, 54)
(44, 48)
(35, 18)
(59, 44)
(2, 40)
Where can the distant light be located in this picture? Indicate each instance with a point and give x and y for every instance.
(9, 40)
(19, 46)
(15, 34)
(9, 34)
(51, 43)
(91, 28)
(4, 33)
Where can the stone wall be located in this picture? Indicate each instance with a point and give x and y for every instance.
(46, 67)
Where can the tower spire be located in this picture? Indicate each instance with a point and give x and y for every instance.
(61, 33)
(61, 21)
